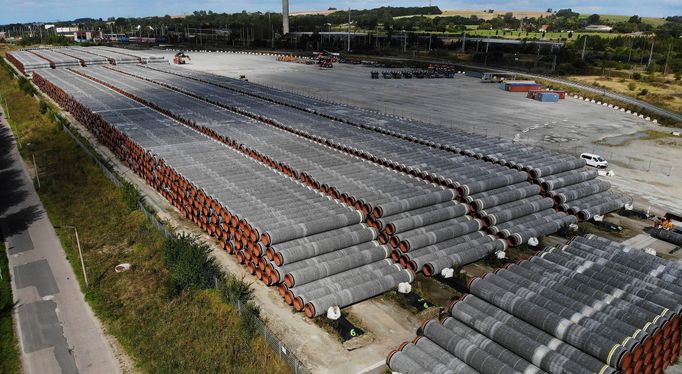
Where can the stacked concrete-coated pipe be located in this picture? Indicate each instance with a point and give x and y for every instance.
(592, 306)
(235, 189)
(26, 62)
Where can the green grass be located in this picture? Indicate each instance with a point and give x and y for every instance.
(193, 332)
(554, 36)
(9, 349)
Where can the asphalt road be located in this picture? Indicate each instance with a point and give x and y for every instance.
(57, 330)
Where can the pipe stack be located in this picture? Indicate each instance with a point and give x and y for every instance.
(243, 203)
(592, 306)
(56, 60)
(85, 58)
(26, 62)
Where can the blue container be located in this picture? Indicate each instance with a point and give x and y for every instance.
(548, 97)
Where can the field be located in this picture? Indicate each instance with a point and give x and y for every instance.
(485, 15)
(196, 331)
(554, 36)
(666, 95)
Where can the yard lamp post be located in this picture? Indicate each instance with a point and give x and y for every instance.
(80, 252)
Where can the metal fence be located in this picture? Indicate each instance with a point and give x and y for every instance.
(270, 338)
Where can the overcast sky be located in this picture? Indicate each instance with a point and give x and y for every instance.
(44, 11)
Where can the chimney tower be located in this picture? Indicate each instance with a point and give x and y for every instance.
(285, 17)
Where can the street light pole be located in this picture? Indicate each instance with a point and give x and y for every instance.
(80, 252)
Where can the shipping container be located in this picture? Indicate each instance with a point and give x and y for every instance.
(547, 97)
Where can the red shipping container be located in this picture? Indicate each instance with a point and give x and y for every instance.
(524, 88)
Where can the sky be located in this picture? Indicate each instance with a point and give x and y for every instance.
(12, 11)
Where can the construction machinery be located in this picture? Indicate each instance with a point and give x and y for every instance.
(181, 58)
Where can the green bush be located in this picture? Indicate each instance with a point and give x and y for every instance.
(26, 86)
(636, 76)
(643, 92)
(43, 107)
(190, 266)
(131, 196)
(235, 289)
(632, 86)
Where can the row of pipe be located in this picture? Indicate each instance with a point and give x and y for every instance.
(591, 306)
(190, 170)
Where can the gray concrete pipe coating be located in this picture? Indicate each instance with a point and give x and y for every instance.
(464, 257)
(400, 361)
(434, 226)
(556, 168)
(300, 297)
(507, 206)
(519, 211)
(417, 260)
(513, 228)
(302, 252)
(281, 271)
(579, 190)
(658, 313)
(625, 310)
(439, 235)
(532, 351)
(338, 265)
(300, 230)
(472, 197)
(605, 247)
(383, 221)
(463, 349)
(520, 220)
(661, 296)
(413, 203)
(504, 197)
(517, 327)
(357, 293)
(492, 183)
(446, 358)
(594, 308)
(424, 251)
(646, 267)
(523, 235)
(572, 207)
(380, 267)
(429, 363)
(318, 237)
(567, 180)
(624, 271)
(496, 350)
(599, 324)
(604, 208)
(599, 346)
(425, 219)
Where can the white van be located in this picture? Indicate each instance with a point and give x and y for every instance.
(594, 160)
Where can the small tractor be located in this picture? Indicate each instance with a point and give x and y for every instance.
(180, 58)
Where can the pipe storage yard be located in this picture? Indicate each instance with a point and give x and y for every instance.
(592, 306)
(332, 205)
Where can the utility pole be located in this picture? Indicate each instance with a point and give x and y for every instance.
(667, 57)
(584, 45)
(464, 40)
(429, 41)
(651, 53)
(80, 252)
(348, 30)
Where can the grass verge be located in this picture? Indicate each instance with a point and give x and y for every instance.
(9, 348)
(193, 329)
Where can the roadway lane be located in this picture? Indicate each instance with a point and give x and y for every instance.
(57, 330)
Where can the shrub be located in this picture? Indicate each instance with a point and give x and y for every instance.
(235, 289)
(643, 92)
(632, 86)
(43, 107)
(131, 196)
(26, 86)
(190, 266)
(636, 76)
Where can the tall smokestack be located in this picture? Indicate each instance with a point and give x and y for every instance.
(285, 17)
